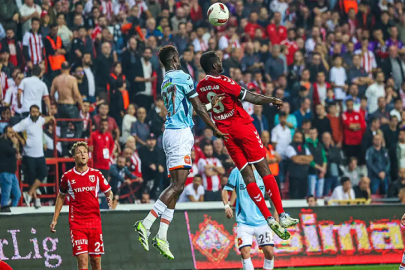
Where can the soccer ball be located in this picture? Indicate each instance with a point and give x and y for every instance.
(218, 14)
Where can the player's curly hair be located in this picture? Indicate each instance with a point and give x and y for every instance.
(166, 53)
(207, 60)
(77, 145)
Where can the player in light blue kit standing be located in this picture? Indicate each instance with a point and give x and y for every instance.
(250, 220)
(180, 98)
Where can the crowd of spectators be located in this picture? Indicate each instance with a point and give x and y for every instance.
(338, 66)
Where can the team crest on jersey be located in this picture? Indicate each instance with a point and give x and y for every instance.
(92, 178)
(167, 83)
(187, 160)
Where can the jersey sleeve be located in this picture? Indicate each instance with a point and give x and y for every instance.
(104, 185)
(21, 86)
(63, 188)
(232, 179)
(188, 87)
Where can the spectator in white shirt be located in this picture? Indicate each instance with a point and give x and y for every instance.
(34, 90)
(338, 78)
(375, 91)
(28, 11)
(10, 98)
(127, 122)
(33, 155)
(344, 191)
(281, 135)
(193, 192)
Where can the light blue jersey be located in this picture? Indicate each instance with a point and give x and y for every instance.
(177, 88)
(247, 213)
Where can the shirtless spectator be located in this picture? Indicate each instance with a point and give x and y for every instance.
(68, 95)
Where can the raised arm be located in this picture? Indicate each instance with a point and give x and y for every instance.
(259, 99)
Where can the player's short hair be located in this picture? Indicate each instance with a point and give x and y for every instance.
(311, 196)
(35, 20)
(166, 53)
(77, 145)
(207, 60)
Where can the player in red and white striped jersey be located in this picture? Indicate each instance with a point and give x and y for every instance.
(211, 170)
(32, 44)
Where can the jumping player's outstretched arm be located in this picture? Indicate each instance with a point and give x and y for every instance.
(201, 110)
(259, 99)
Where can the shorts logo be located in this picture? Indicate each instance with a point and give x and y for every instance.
(187, 160)
(79, 248)
(92, 178)
(240, 241)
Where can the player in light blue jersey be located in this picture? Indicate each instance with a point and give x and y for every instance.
(250, 220)
(180, 98)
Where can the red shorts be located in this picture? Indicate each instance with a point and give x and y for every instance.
(244, 145)
(87, 240)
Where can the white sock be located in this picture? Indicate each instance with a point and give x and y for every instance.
(158, 208)
(268, 264)
(247, 264)
(165, 220)
(402, 265)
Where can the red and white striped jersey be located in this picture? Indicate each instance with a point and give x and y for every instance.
(34, 43)
(210, 183)
(135, 167)
(368, 60)
(193, 172)
(3, 84)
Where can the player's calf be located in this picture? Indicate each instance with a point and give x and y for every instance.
(402, 265)
(268, 258)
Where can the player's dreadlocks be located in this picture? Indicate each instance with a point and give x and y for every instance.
(207, 61)
(77, 145)
(166, 54)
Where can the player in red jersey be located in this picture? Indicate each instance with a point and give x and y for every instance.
(82, 184)
(244, 144)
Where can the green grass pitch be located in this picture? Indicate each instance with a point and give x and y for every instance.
(349, 267)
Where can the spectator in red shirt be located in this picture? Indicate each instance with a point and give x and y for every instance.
(291, 46)
(353, 129)
(276, 32)
(102, 148)
(252, 25)
(103, 110)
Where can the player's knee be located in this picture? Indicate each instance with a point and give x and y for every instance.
(95, 263)
(178, 188)
(82, 261)
(268, 253)
(245, 253)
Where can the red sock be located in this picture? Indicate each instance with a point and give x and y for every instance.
(257, 197)
(273, 191)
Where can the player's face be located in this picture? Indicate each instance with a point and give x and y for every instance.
(81, 155)
(218, 65)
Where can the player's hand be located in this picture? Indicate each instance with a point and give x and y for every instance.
(229, 212)
(220, 135)
(110, 201)
(277, 102)
(53, 225)
(152, 167)
(216, 99)
(403, 220)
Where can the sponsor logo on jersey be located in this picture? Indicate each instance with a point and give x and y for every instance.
(83, 189)
(242, 186)
(167, 83)
(92, 178)
(187, 159)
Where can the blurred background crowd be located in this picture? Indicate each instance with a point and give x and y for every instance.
(338, 66)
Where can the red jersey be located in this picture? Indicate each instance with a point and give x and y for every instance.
(135, 166)
(353, 137)
(103, 149)
(292, 48)
(83, 188)
(276, 34)
(229, 110)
